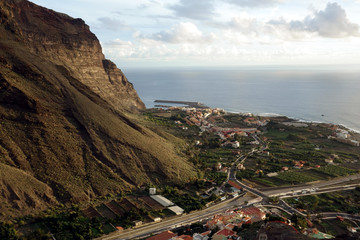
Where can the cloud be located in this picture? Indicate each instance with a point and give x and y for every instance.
(330, 23)
(184, 32)
(112, 24)
(247, 26)
(118, 43)
(194, 9)
(254, 3)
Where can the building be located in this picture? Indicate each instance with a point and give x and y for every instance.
(284, 168)
(354, 143)
(234, 184)
(163, 236)
(223, 234)
(137, 223)
(329, 161)
(182, 237)
(176, 209)
(218, 166)
(236, 144)
(202, 236)
(240, 166)
(254, 213)
(273, 174)
(234, 190)
(157, 219)
(299, 164)
(223, 170)
(162, 200)
(340, 133)
(152, 191)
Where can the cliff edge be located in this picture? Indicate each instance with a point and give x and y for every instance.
(68, 42)
(65, 134)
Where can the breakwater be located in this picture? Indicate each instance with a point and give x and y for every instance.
(186, 103)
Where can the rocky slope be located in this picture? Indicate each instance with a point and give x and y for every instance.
(65, 135)
(69, 43)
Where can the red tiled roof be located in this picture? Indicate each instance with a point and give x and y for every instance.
(230, 226)
(225, 232)
(234, 184)
(162, 236)
(206, 233)
(186, 237)
(253, 212)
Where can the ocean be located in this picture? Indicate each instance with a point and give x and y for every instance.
(324, 94)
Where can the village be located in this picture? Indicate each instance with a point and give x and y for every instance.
(217, 140)
(247, 134)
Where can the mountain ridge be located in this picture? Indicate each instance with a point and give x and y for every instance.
(65, 117)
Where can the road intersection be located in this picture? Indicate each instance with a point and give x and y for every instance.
(253, 196)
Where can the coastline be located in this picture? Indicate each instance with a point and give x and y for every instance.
(294, 118)
(356, 131)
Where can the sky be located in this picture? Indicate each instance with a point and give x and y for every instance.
(209, 33)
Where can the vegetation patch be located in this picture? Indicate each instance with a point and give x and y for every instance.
(344, 201)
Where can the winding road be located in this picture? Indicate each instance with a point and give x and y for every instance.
(261, 198)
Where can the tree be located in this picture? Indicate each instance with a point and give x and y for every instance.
(7, 231)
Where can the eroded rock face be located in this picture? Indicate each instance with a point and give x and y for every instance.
(65, 135)
(68, 42)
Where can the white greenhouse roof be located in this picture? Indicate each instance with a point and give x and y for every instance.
(176, 209)
(162, 200)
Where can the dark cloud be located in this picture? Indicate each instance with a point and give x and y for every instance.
(331, 22)
(254, 3)
(112, 24)
(194, 9)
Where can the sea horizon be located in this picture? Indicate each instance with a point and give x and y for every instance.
(305, 93)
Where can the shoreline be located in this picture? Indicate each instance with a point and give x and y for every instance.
(281, 115)
(293, 118)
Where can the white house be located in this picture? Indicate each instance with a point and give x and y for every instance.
(236, 144)
(152, 191)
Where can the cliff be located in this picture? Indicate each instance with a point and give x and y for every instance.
(65, 132)
(69, 43)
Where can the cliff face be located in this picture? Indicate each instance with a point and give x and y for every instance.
(64, 132)
(69, 43)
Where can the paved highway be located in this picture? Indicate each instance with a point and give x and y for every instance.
(262, 197)
(174, 222)
(321, 184)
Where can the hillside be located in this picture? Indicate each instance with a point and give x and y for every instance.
(66, 135)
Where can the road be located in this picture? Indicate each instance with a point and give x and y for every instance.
(320, 185)
(283, 192)
(331, 215)
(178, 221)
(241, 159)
(262, 199)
